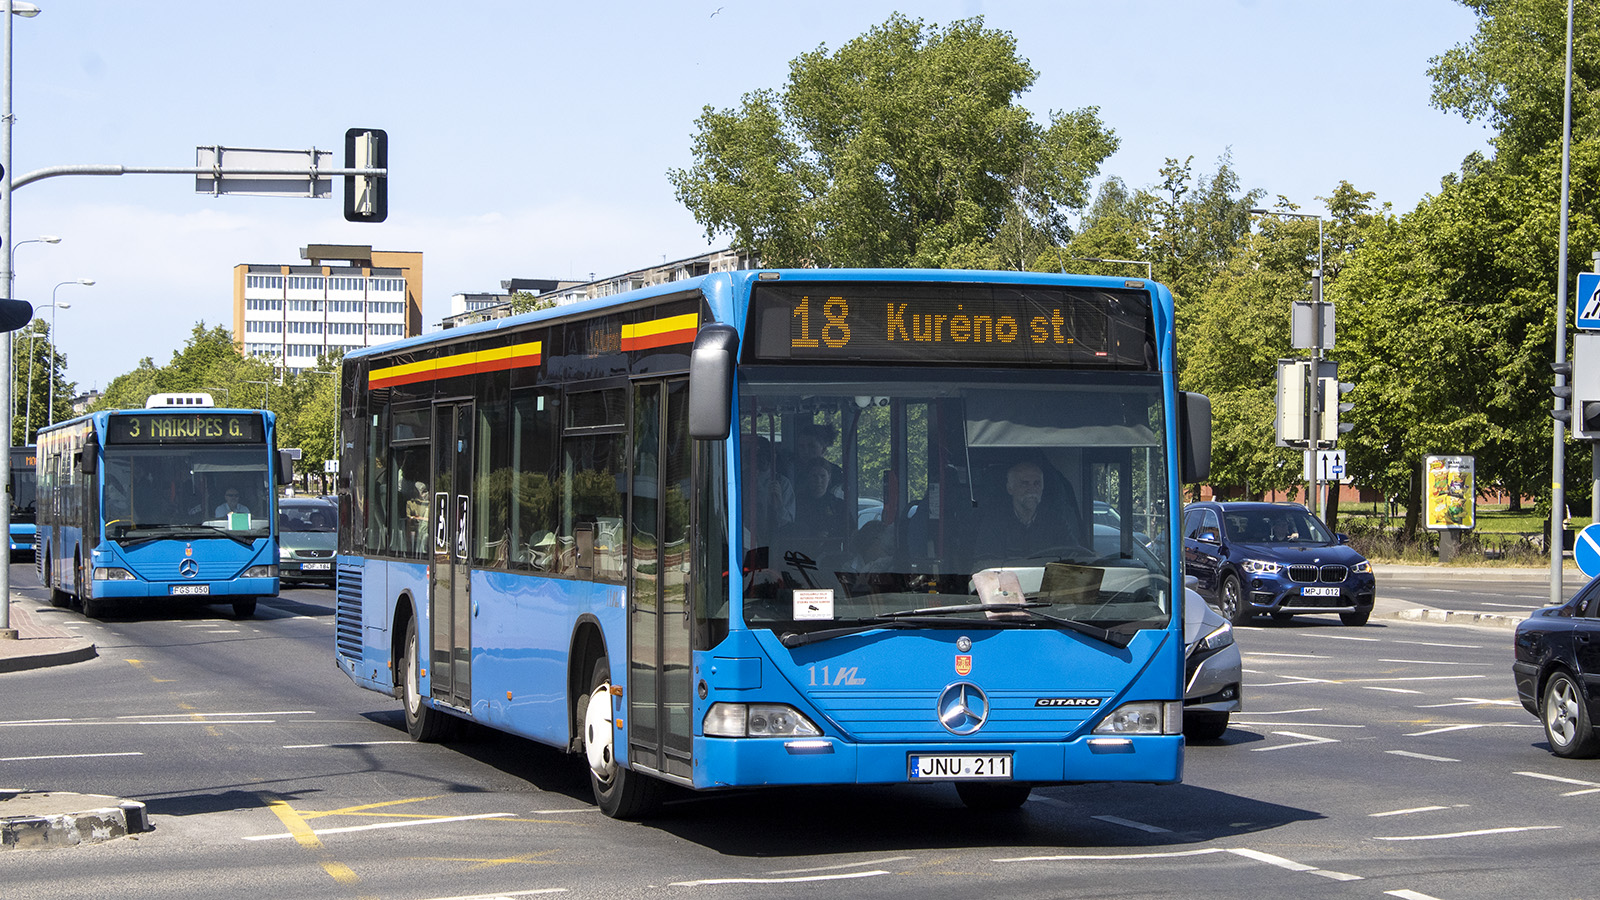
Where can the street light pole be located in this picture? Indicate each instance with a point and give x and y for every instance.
(8, 8)
(16, 360)
(29, 433)
(50, 414)
(1314, 439)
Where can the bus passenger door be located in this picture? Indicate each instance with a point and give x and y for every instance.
(449, 606)
(660, 666)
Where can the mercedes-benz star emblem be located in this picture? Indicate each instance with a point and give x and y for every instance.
(188, 568)
(963, 708)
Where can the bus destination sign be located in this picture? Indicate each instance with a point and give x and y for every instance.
(976, 323)
(186, 428)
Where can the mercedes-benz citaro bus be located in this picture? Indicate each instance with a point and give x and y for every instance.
(135, 505)
(24, 479)
(784, 528)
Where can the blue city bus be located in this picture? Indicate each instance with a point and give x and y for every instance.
(24, 481)
(134, 506)
(783, 528)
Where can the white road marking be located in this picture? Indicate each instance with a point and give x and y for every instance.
(1558, 778)
(1435, 662)
(1257, 654)
(1512, 606)
(856, 865)
(1495, 702)
(1479, 833)
(322, 831)
(1306, 740)
(1438, 644)
(562, 812)
(229, 715)
(1444, 728)
(1373, 687)
(508, 894)
(65, 756)
(342, 746)
(1408, 753)
(1410, 895)
(1287, 712)
(1245, 852)
(1411, 678)
(1340, 637)
(1129, 823)
(1406, 812)
(34, 722)
(1247, 723)
(710, 881)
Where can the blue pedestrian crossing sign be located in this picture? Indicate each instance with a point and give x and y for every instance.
(1589, 300)
(1586, 550)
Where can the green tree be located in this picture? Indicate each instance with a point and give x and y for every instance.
(906, 147)
(36, 364)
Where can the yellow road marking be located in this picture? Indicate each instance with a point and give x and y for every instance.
(294, 822)
(350, 810)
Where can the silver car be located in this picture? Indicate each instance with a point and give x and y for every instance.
(1212, 670)
(307, 539)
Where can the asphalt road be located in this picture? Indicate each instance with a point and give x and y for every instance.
(1386, 760)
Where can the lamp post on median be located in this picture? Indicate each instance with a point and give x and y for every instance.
(8, 8)
(1314, 438)
(50, 414)
(29, 433)
(15, 362)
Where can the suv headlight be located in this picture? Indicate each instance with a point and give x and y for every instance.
(757, 720)
(1361, 568)
(1261, 566)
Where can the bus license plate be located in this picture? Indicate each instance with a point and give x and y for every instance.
(180, 589)
(316, 567)
(953, 767)
(1319, 592)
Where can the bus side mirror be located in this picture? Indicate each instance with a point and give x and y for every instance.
(285, 467)
(1194, 438)
(89, 456)
(711, 382)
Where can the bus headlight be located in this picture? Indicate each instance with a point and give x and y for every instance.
(757, 720)
(261, 572)
(1144, 717)
(112, 573)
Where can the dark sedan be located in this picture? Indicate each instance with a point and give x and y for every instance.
(1274, 558)
(1557, 670)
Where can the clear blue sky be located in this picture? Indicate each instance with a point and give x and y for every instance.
(531, 139)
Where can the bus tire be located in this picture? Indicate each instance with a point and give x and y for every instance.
(94, 609)
(619, 793)
(58, 597)
(426, 725)
(244, 608)
(993, 795)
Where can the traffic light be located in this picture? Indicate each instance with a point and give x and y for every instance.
(1564, 391)
(366, 197)
(1333, 410)
(1293, 375)
(14, 314)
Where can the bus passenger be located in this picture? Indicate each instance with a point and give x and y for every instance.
(818, 510)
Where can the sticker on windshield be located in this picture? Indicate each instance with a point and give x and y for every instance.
(813, 605)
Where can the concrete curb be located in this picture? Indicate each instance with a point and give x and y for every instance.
(1453, 617)
(37, 820)
(37, 653)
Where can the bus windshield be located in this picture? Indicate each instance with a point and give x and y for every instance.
(24, 485)
(880, 494)
(186, 490)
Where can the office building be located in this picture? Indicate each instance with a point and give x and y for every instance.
(342, 296)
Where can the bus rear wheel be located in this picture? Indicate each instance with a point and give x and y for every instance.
(58, 597)
(619, 793)
(425, 724)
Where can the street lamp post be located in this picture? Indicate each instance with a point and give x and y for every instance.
(1314, 439)
(15, 363)
(8, 8)
(29, 433)
(50, 414)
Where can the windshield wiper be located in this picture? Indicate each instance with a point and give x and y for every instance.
(144, 534)
(800, 639)
(1028, 608)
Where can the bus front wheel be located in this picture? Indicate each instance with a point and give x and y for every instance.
(245, 608)
(990, 795)
(619, 793)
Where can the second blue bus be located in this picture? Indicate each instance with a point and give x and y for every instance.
(176, 501)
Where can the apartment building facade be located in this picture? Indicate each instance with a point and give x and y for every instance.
(342, 296)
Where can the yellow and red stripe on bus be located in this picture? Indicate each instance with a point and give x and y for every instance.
(660, 332)
(499, 359)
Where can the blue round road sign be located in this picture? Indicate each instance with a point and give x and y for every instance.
(1586, 549)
